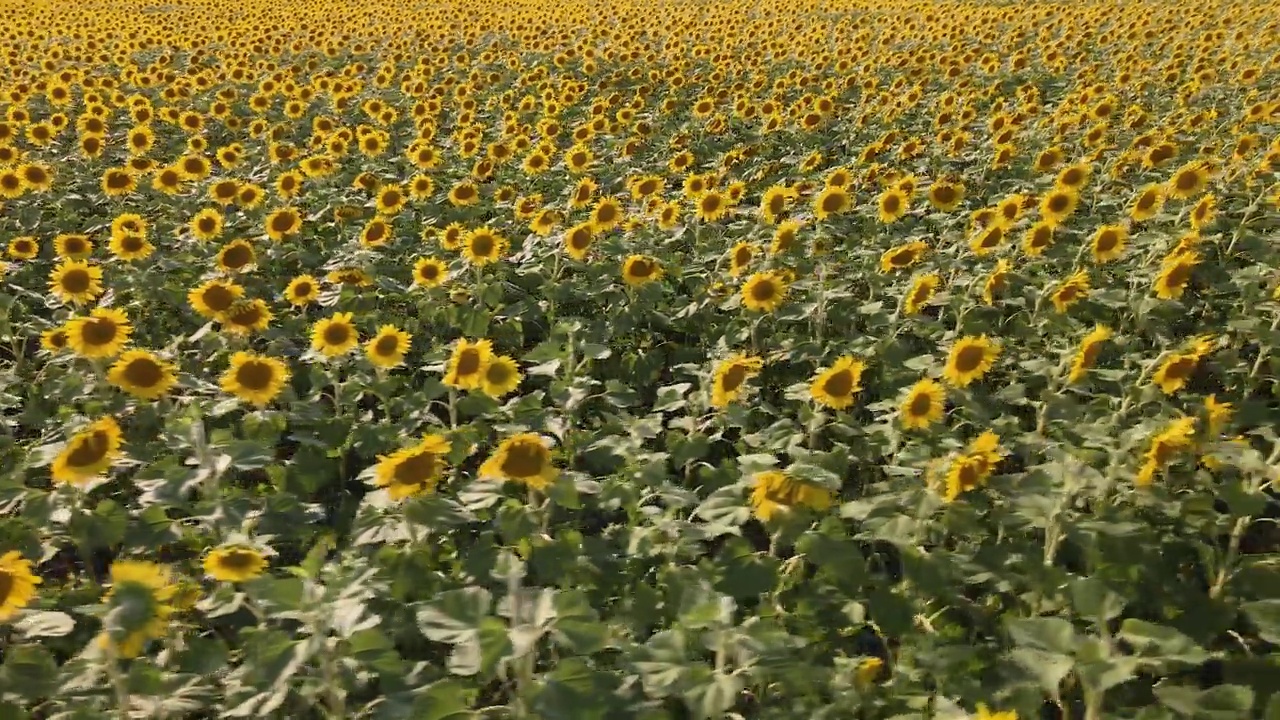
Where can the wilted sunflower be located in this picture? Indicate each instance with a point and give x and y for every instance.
(102, 334)
(334, 336)
(1174, 275)
(283, 223)
(1087, 354)
(924, 405)
(730, 377)
(578, 240)
(1071, 291)
(1109, 243)
(76, 282)
(387, 348)
(775, 493)
(920, 293)
(429, 272)
(501, 376)
(302, 290)
(483, 246)
(833, 200)
(89, 453)
(1176, 370)
(255, 379)
(1165, 447)
(413, 470)
(138, 604)
(142, 374)
(17, 584)
(234, 563)
(640, 269)
(522, 458)
(837, 385)
(970, 358)
(468, 363)
(1057, 205)
(764, 291)
(892, 205)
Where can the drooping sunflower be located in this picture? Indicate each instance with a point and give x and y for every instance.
(1174, 275)
(764, 291)
(387, 348)
(925, 404)
(468, 363)
(1087, 354)
(17, 584)
(833, 200)
(142, 374)
(415, 470)
(775, 493)
(1057, 205)
(139, 605)
(1070, 291)
(730, 377)
(524, 459)
(970, 358)
(640, 269)
(255, 379)
(283, 223)
(501, 376)
(996, 282)
(1165, 448)
(836, 386)
(483, 246)
(578, 240)
(892, 205)
(74, 281)
(234, 563)
(1109, 243)
(429, 272)
(89, 453)
(335, 336)
(102, 334)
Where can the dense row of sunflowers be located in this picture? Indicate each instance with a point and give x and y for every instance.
(937, 316)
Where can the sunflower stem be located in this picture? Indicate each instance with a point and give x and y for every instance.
(119, 683)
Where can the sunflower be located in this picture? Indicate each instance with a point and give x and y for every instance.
(17, 584)
(246, 317)
(102, 334)
(1217, 414)
(711, 206)
(452, 235)
(920, 293)
(1189, 180)
(1176, 370)
(375, 233)
(214, 298)
(1074, 177)
(987, 240)
(1071, 291)
(468, 364)
(1109, 243)
(72, 246)
(23, 248)
(206, 224)
(1037, 239)
(334, 336)
(606, 215)
(1148, 203)
(578, 239)
(463, 194)
(142, 374)
(387, 348)
(640, 269)
(924, 405)
(36, 178)
(76, 282)
(168, 180)
(302, 290)
(283, 223)
(289, 184)
(775, 493)
(740, 257)
(1165, 447)
(764, 291)
(833, 200)
(946, 196)
(836, 386)
(1175, 274)
(89, 453)
(483, 246)
(429, 272)
(1204, 212)
(522, 458)
(234, 563)
(1057, 205)
(777, 199)
(892, 205)
(970, 358)
(730, 377)
(255, 379)
(54, 339)
(130, 247)
(11, 185)
(139, 605)
(501, 376)
(413, 470)
(391, 199)
(1087, 354)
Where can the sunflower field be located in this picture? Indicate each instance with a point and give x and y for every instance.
(640, 359)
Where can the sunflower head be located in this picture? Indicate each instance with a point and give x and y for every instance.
(524, 459)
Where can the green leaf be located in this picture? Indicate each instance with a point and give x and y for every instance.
(29, 670)
(1222, 702)
(1051, 634)
(1265, 616)
(454, 617)
(576, 625)
(714, 698)
(443, 700)
(1161, 642)
(1048, 668)
(1092, 599)
(45, 624)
